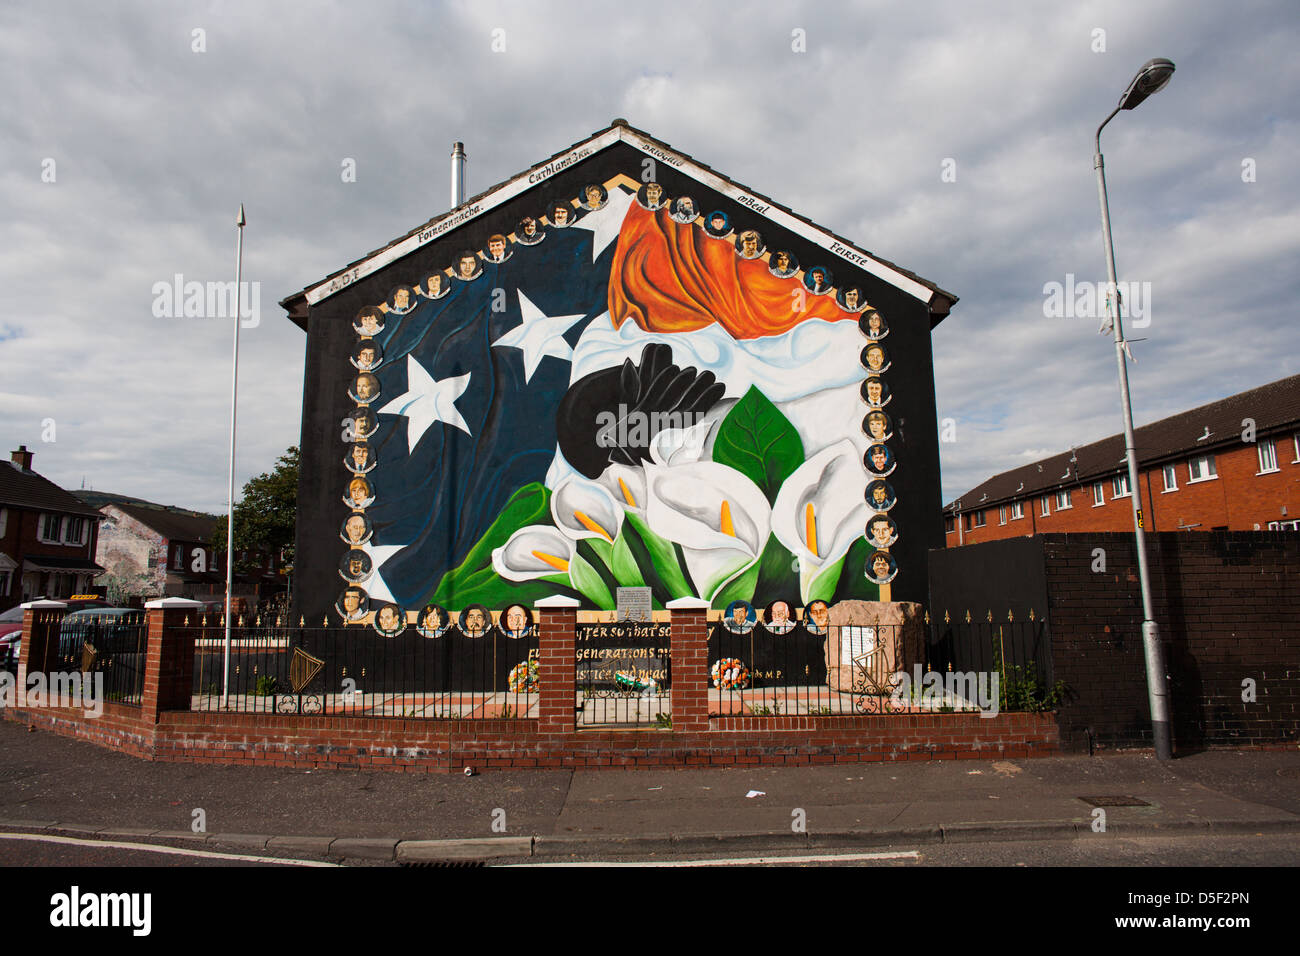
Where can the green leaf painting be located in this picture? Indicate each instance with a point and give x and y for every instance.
(759, 442)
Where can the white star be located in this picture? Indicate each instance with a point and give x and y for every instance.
(539, 335)
(606, 221)
(427, 401)
(376, 587)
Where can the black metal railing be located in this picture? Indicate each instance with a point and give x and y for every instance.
(111, 645)
(356, 672)
(623, 673)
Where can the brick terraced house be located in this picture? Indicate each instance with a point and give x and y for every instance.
(1201, 470)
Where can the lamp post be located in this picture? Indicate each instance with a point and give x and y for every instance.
(1152, 78)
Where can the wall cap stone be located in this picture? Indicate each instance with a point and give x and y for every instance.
(556, 600)
(172, 602)
(688, 604)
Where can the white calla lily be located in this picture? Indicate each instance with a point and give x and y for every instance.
(585, 509)
(820, 510)
(720, 518)
(536, 551)
(680, 446)
(627, 485)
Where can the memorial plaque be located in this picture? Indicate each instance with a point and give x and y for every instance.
(854, 642)
(636, 650)
(633, 604)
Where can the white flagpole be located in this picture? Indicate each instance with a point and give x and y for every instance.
(230, 509)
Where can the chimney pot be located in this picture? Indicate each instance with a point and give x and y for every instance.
(22, 458)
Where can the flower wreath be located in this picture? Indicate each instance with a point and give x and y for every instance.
(523, 678)
(729, 674)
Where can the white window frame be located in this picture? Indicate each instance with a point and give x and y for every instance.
(1017, 510)
(69, 523)
(1045, 502)
(1115, 484)
(1002, 514)
(1292, 524)
(1267, 462)
(1296, 438)
(4, 524)
(1098, 494)
(1063, 495)
(46, 516)
(1170, 475)
(1212, 471)
(979, 520)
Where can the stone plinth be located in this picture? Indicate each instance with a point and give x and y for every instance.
(892, 633)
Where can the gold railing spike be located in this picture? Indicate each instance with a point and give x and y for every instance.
(1031, 614)
(187, 620)
(967, 615)
(946, 618)
(302, 621)
(277, 621)
(1010, 617)
(927, 617)
(258, 620)
(324, 620)
(990, 618)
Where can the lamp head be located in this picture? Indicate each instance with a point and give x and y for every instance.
(1152, 78)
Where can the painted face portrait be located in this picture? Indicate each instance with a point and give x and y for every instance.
(875, 358)
(365, 389)
(355, 566)
(356, 530)
(651, 195)
(593, 196)
(819, 616)
(474, 620)
(683, 210)
(873, 325)
(400, 300)
(778, 617)
(436, 286)
(467, 266)
(881, 568)
(366, 356)
(881, 532)
(352, 605)
(561, 215)
(878, 427)
(717, 225)
(497, 249)
(529, 231)
(369, 321)
(738, 617)
(875, 391)
(360, 460)
(818, 280)
(783, 264)
(880, 496)
(749, 244)
(433, 621)
(880, 461)
(851, 299)
(363, 424)
(390, 620)
(516, 618)
(360, 494)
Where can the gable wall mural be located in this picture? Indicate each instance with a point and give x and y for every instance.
(609, 382)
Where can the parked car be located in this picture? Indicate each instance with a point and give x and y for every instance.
(107, 629)
(11, 636)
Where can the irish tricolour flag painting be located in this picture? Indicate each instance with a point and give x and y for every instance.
(624, 391)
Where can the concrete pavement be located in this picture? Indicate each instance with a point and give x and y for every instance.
(53, 784)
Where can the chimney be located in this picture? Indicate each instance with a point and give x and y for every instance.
(22, 458)
(458, 158)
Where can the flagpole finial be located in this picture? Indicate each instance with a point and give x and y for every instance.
(240, 221)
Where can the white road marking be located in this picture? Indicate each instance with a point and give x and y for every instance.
(152, 848)
(752, 861)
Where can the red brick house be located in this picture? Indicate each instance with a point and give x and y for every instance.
(1232, 465)
(47, 536)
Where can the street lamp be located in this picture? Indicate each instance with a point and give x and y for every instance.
(1152, 78)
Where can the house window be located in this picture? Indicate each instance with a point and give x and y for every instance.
(1017, 510)
(49, 529)
(1267, 456)
(1201, 469)
(1002, 514)
(1062, 500)
(4, 523)
(1119, 487)
(1296, 439)
(1171, 478)
(948, 524)
(178, 558)
(979, 518)
(1046, 504)
(74, 530)
(1293, 525)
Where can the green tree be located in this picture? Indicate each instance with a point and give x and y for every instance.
(266, 513)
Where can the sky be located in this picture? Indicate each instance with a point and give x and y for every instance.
(954, 138)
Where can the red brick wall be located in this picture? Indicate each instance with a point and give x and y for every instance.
(1238, 499)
